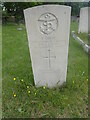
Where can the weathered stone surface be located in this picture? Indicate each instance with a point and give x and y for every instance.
(48, 28)
(83, 22)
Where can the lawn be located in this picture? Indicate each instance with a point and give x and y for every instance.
(0, 71)
(83, 36)
(20, 97)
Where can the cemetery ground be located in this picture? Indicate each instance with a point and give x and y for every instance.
(83, 36)
(20, 98)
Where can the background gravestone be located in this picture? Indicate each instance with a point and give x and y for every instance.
(48, 28)
(83, 22)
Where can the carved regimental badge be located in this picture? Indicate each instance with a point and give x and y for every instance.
(47, 23)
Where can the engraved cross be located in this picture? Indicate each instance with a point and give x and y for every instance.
(49, 57)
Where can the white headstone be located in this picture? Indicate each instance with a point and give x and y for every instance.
(48, 29)
(83, 21)
(88, 21)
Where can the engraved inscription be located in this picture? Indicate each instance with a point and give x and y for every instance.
(47, 23)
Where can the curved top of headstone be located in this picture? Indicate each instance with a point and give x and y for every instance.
(49, 5)
(85, 8)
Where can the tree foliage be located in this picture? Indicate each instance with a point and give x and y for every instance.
(16, 8)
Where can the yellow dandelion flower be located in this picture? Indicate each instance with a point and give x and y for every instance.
(35, 93)
(28, 92)
(27, 86)
(73, 82)
(21, 80)
(44, 87)
(14, 95)
(14, 78)
(87, 80)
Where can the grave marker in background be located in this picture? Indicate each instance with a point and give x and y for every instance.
(83, 21)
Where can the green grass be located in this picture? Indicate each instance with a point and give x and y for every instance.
(69, 101)
(83, 36)
(0, 72)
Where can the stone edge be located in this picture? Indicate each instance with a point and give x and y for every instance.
(80, 41)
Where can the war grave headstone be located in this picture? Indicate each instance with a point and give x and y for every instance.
(48, 29)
